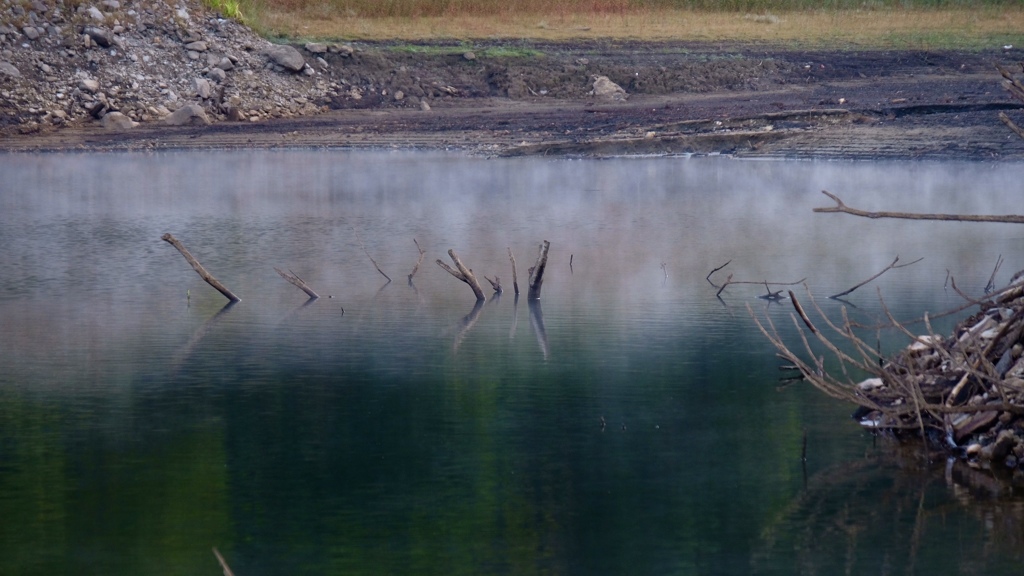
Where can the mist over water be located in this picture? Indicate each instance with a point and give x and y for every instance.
(392, 427)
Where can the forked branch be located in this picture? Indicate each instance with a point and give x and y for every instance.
(842, 207)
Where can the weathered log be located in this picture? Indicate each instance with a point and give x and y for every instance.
(1012, 85)
(537, 272)
(463, 273)
(206, 276)
(418, 261)
(299, 283)
(841, 207)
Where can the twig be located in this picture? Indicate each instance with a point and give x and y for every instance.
(891, 266)
(299, 283)
(708, 277)
(992, 279)
(841, 207)
(803, 315)
(206, 276)
(418, 261)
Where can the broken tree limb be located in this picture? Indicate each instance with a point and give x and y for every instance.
(537, 272)
(515, 279)
(729, 280)
(299, 283)
(1012, 85)
(206, 276)
(418, 261)
(495, 284)
(803, 315)
(462, 273)
(1011, 125)
(375, 264)
(891, 266)
(708, 277)
(841, 207)
(223, 563)
(992, 279)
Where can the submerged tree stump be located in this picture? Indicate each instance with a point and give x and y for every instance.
(537, 272)
(199, 268)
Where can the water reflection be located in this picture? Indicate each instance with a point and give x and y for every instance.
(406, 428)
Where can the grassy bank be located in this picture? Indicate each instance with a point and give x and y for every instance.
(833, 23)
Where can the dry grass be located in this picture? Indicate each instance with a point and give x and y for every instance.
(924, 28)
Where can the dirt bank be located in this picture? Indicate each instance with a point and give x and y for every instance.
(502, 98)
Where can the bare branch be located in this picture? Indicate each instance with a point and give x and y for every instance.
(299, 283)
(206, 276)
(843, 208)
(884, 270)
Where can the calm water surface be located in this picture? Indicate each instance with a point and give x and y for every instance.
(394, 428)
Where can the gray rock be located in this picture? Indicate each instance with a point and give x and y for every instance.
(111, 4)
(31, 32)
(89, 85)
(343, 50)
(202, 88)
(285, 56)
(316, 48)
(95, 13)
(424, 106)
(469, 56)
(605, 89)
(216, 74)
(101, 36)
(188, 115)
(117, 121)
(8, 69)
(225, 64)
(198, 46)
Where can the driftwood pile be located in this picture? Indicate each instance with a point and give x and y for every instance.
(963, 392)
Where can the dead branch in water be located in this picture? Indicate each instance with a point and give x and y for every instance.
(537, 272)
(418, 261)
(206, 276)
(463, 273)
(515, 279)
(843, 208)
(891, 266)
(375, 264)
(299, 283)
(495, 284)
(954, 386)
(708, 277)
(991, 285)
(223, 563)
(771, 295)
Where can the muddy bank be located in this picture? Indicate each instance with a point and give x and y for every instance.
(145, 75)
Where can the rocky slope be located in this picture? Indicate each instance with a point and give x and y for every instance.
(127, 61)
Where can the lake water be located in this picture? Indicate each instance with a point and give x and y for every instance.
(631, 422)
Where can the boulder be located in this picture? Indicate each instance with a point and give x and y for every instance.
(101, 36)
(8, 69)
(605, 89)
(202, 86)
(89, 85)
(197, 46)
(188, 115)
(316, 48)
(217, 74)
(31, 32)
(285, 56)
(117, 121)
